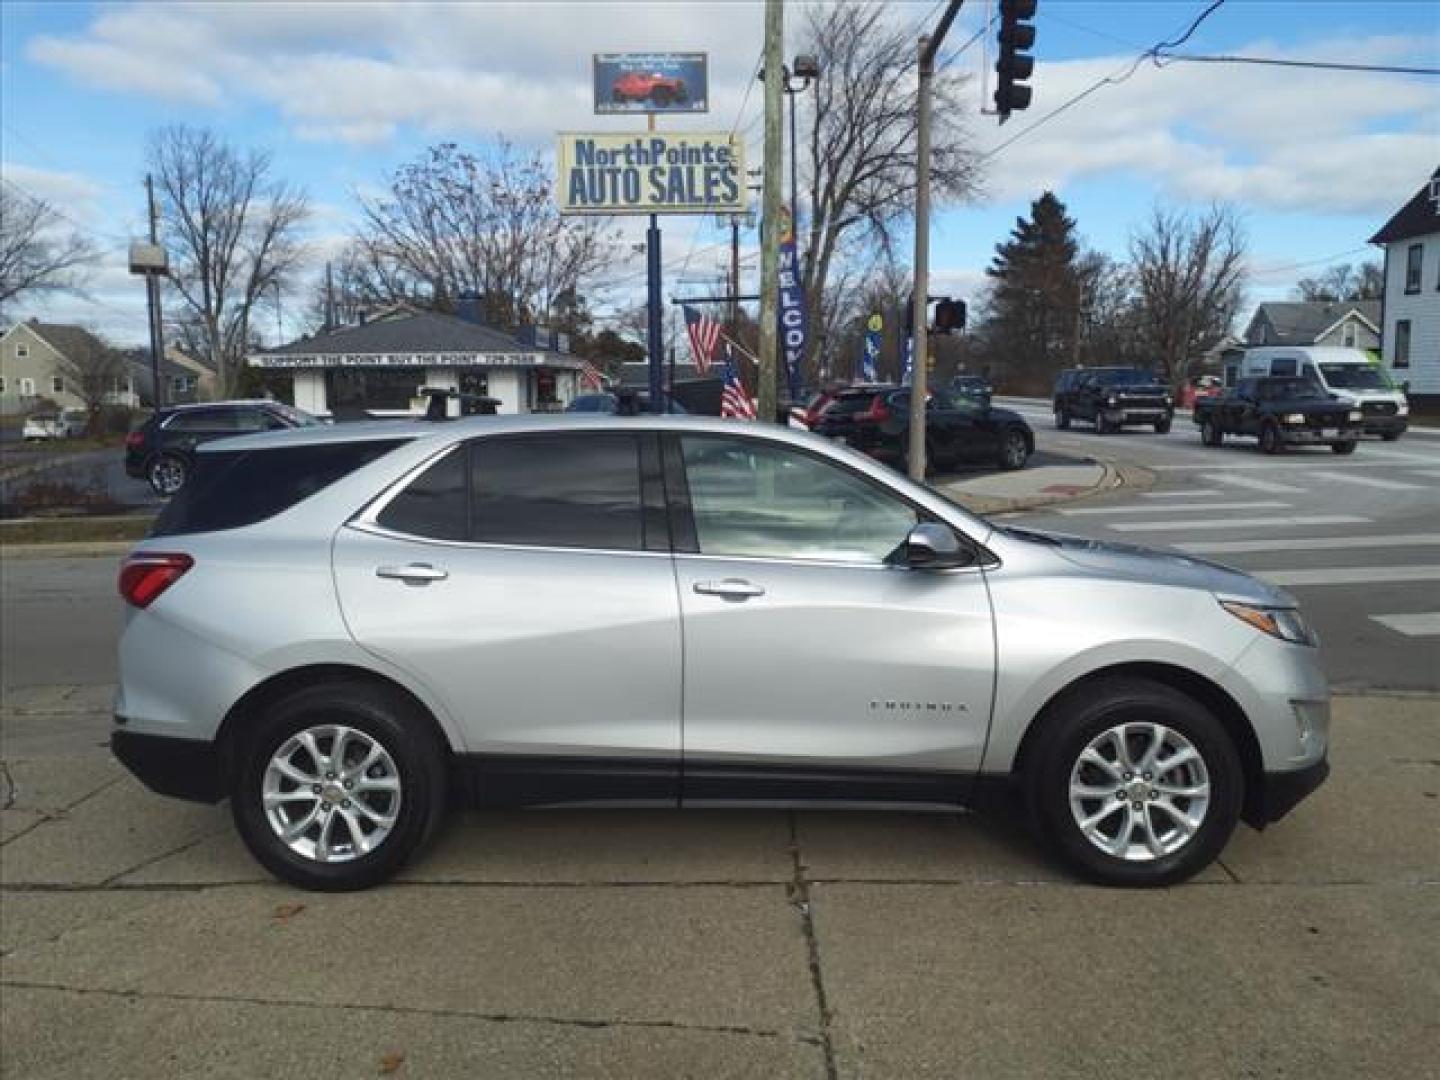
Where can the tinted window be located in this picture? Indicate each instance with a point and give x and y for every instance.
(1355, 376)
(1126, 377)
(752, 498)
(1283, 365)
(241, 487)
(557, 491)
(850, 404)
(202, 420)
(434, 505)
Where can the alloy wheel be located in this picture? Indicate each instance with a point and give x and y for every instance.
(167, 475)
(1139, 791)
(331, 793)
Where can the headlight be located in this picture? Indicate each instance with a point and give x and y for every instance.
(1112, 400)
(1287, 624)
(1402, 410)
(1356, 414)
(1294, 418)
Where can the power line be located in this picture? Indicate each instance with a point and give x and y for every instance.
(1321, 65)
(88, 229)
(1287, 267)
(1151, 53)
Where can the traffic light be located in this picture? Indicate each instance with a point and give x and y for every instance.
(949, 316)
(1014, 65)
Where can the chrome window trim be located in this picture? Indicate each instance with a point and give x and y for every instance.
(484, 545)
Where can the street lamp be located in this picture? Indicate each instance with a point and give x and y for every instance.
(805, 69)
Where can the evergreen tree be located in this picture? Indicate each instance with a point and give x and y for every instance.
(1036, 294)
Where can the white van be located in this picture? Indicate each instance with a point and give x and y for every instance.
(1346, 374)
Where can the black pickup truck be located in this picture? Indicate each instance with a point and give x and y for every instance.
(1279, 411)
(1111, 398)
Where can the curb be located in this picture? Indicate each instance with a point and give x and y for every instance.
(66, 549)
(1113, 478)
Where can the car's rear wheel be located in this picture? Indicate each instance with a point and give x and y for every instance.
(1270, 441)
(1104, 425)
(338, 786)
(1162, 427)
(1210, 434)
(1134, 783)
(1062, 420)
(1344, 447)
(167, 474)
(1014, 451)
(1390, 436)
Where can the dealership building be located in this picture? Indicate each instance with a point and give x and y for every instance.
(380, 365)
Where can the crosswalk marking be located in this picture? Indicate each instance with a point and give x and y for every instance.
(1091, 511)
(1198, 493)
(1298, 462)
(1368, 481)
(1426, 472)
(1254, 485)
(1426, 624)
(1239, 523)
(1309, 543)
(1350, 575)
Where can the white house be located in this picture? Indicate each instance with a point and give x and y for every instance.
(1410, 318)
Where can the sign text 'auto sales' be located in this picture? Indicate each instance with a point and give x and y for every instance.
(656, 173)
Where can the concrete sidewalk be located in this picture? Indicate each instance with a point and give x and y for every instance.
(137, 938)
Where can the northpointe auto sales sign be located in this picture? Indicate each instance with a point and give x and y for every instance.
(681, 172)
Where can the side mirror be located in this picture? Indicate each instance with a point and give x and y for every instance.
(930, 546)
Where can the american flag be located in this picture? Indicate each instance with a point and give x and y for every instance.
(734, 401)
(704, 337)
(591, 376)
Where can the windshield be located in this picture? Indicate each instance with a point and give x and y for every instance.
(298, 417)
(1355, 377)
(1128, 377)
(1282, 389)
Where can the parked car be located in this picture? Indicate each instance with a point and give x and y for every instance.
(646, 86)
(1280, 412)
(957, 430)
(65, 424)
(623, 402)
(848, 407)
(1200, 386)
(340, 628)
(1112, 398)
(162, 449)
(1348, 375)
(976, 387)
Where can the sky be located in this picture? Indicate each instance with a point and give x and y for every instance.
(340, 94)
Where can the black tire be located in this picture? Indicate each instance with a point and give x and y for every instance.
(1014, 451)
(1104, 426)
(1270, 441)
(1071, 725)
(167, 474)
(389, 719)
(1062, 420)
(1162, 427)
(1210, 434)
(1390, 436)
(1344, 447)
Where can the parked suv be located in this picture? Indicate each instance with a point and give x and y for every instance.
(1112, 398)
(162, 449)
(342, 628)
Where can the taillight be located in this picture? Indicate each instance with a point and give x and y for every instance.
(135, 440)
(146, 575)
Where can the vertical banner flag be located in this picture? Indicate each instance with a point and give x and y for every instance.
(793, 319)
(734, 401)
(874, 338)
(704, 337)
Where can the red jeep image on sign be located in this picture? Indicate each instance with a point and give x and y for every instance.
(640, 86)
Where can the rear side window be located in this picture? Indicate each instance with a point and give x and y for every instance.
(851, 404)
(236, 488)
(573, 491)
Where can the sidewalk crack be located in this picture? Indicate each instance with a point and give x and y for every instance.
(800, 897)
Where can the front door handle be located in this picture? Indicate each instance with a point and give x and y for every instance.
(413, 573)
(730, 588)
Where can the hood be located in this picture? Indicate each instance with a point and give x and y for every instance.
(1130, 562)
(1309, 405)
(1136, 390)
(1009, 416)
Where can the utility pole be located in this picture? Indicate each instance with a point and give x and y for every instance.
(329, 299)
(654, 323)
(770, 225)
(152, 295)
(734, 270)
(929, 46)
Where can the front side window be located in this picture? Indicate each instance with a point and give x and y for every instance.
(1414, 259)
(1402, 344)
(765, 501)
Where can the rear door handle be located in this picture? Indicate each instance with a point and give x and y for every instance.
(413, 573)
(730, 588)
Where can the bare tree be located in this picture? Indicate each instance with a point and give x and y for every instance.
(1344, 282)
(234, 237)
(861, 182)
(91, 368)
(37, 254)
(1190, 276)
(461, 223)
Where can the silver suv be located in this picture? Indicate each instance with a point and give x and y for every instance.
(344, 630)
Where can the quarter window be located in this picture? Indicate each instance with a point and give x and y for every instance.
(435, 505)
(760, 500)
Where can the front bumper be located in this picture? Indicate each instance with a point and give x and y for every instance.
(1138, 414)
(1387, 425)
(181, 768)
(1282, 792)
(1309, 436)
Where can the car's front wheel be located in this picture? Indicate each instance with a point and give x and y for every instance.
(1062, 420)
(1014, 451)
(1162, 427)
(1270, 441)
(1344, 447)
(1134, 783)
(167, 474)
(337, 786)
(1210, 434)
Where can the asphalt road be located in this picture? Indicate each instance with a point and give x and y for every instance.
(1356, 539)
